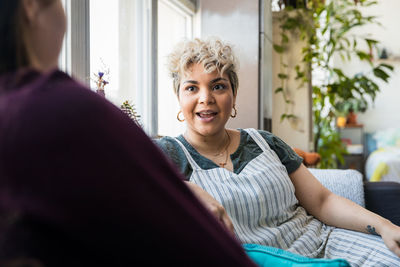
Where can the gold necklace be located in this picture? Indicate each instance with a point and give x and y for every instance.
(224, 150)
(224, 146)
(223, 164)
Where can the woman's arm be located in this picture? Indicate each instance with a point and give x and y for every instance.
(340, 212)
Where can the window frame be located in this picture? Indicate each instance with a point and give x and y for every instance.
(75, 54)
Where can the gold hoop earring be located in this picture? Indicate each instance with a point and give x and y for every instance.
(177, 116)
(234, 115)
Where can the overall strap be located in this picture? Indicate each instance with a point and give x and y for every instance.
(257, 137)
(188, 156)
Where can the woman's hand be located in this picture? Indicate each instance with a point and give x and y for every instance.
(212, 205)
(390, 234)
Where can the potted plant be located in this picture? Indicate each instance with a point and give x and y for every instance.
(328, 35)
(350, 108)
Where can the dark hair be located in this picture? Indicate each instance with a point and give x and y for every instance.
(12, 49)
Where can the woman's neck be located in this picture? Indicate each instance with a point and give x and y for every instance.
(211, 144)
(41, 65)
(43, 68)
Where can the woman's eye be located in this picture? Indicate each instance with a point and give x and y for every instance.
(219, 87)
(190, 88)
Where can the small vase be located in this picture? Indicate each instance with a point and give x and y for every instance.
(341, 121)
(352, 118)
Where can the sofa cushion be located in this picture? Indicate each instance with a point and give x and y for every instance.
(265, 256)
(345, 183)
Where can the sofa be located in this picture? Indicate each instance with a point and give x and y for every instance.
(382, 198)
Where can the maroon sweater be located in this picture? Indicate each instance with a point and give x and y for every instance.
(82, 185)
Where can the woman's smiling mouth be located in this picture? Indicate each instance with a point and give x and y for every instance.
(207, 115)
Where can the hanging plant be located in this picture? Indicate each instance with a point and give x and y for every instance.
(331, 33)
(294, 24)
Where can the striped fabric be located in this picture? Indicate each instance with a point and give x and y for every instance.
(359, 249)
(264, 210)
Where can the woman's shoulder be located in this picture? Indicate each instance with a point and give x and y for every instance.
(166, 142)
(29, 84)
(65, 91)
(61, 83)
(170, 146)
(271, 139)
(58, 103)
(266, 134)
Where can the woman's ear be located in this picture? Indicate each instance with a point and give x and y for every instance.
(30, 10)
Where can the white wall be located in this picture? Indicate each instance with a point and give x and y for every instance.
(237, 22)
(385, 113)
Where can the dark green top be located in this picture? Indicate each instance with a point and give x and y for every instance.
(247, 150)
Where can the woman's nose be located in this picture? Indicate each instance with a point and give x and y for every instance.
(206, 97)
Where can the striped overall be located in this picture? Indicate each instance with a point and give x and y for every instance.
(264, 210)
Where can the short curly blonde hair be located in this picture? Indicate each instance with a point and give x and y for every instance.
(212, 53)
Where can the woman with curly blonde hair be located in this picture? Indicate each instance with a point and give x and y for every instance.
(253, 182)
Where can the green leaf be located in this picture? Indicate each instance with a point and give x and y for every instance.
(381, 74)
(291, 116)
(282, 76)
(390, 67)
(363, 56)
(285, 38)
(287, 116)
(371, 42)
(280, 89)
(369, 3)
(279, 48)
(354, 43)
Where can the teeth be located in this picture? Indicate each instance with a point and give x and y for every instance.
(206, 114)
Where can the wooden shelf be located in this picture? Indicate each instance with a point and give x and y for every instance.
(352, 126)
(387, 60)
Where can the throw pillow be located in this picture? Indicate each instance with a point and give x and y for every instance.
(265, 256)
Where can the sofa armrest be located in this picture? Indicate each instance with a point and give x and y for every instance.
(345, 183)
(383, 198)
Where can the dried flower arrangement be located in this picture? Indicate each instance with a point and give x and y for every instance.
(100, 83)
(101, 78)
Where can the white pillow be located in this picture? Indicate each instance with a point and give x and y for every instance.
(346, 183)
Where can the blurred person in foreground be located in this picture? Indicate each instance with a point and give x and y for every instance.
(80, 183)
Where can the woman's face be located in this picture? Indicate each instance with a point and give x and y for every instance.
(45, 32)
(206, 101)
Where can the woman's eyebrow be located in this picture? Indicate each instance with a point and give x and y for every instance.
(218, 79)
(191, 81)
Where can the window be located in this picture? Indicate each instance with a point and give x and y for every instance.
(120, 47)
(64, 59)
(175, 22)
(129, 41)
